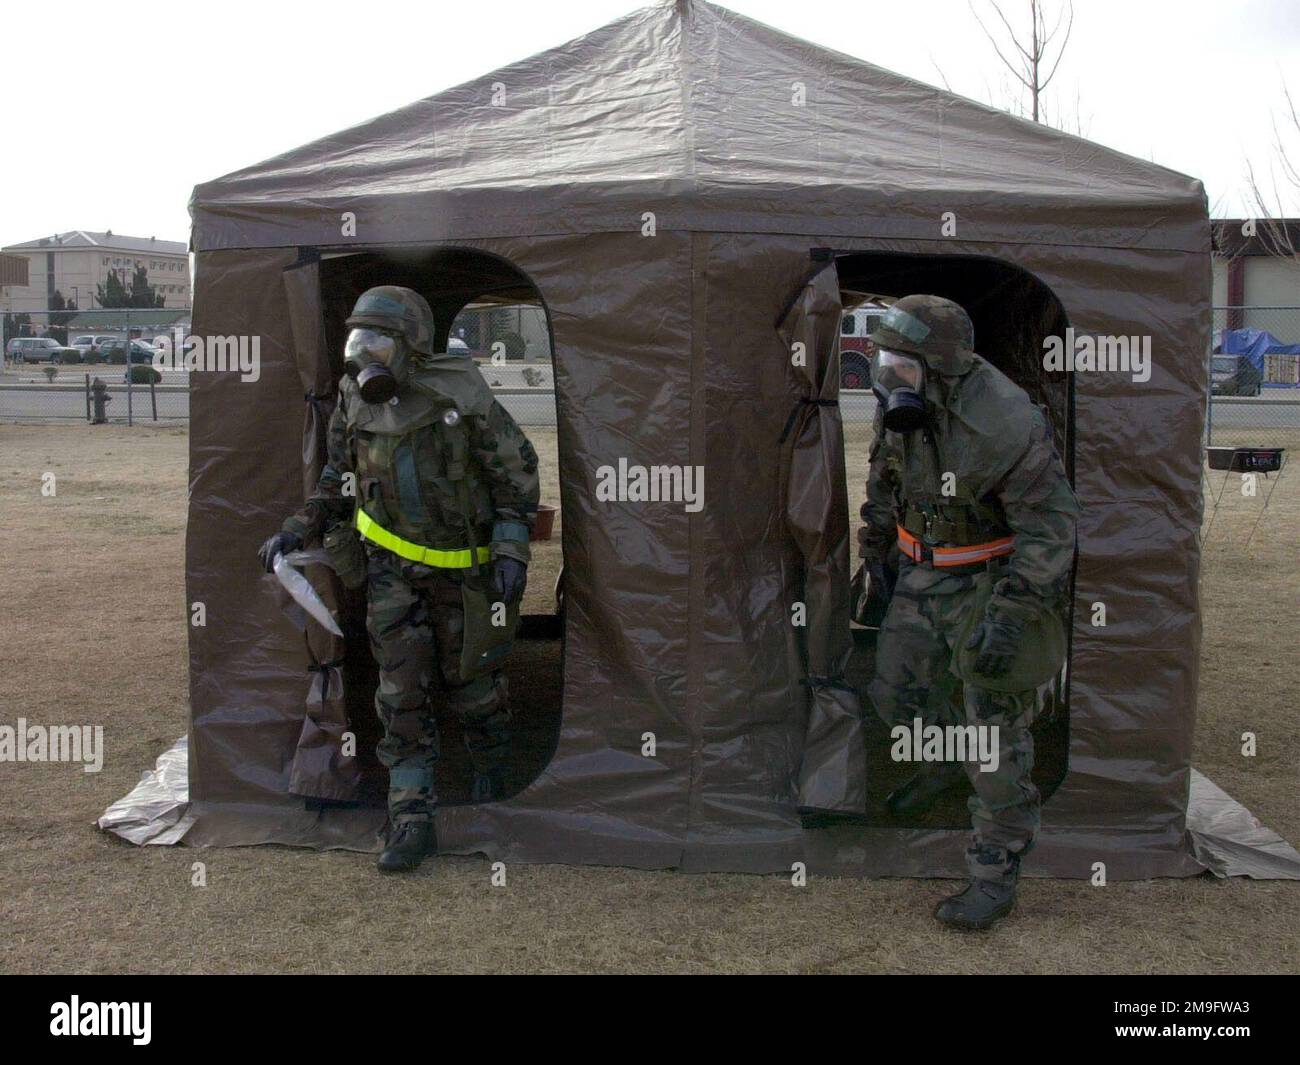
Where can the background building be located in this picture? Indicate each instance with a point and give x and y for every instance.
(75, 263)
(1256, 295)
(520, 328)
(1254, 272)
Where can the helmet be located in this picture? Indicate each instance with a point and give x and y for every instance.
(936, 330)
(387, 324)
(401, 310)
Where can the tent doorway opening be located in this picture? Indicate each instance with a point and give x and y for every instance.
(487, 309)
(1013, 313)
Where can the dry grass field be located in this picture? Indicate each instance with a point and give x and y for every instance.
(92, 626)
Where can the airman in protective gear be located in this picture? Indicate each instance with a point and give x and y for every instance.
(446, 490)
(966, 484)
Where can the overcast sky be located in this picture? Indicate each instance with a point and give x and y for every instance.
(184, 92)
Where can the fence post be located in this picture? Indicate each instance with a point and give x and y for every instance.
(129, 375)
(153, 397)
(87, 395)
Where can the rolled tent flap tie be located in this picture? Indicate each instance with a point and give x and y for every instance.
(307, 324)
(320, 768)
(833, 771)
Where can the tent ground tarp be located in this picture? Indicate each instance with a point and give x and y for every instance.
(1224, 837)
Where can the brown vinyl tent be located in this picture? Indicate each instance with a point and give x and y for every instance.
(689, 194)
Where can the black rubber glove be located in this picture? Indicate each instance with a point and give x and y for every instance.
(509, 576)
(279, 544)
(997, 639)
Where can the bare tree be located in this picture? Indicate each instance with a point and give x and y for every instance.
(1270, 204)
(1067, 121)
(1030, 60)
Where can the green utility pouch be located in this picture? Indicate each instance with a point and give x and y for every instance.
(1042, 648)
(346, 555)
(486, 644)
(489, 631)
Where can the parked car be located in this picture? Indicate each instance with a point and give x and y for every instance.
(140, 351)
(1234, 375)
(40, 349)
(855, 348)
(456, 346)
(88, 342)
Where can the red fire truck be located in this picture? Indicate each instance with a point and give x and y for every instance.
(855, 348)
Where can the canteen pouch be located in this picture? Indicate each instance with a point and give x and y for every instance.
(1042, 648)
(485, 645)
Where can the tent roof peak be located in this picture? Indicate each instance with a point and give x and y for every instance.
(687, 102)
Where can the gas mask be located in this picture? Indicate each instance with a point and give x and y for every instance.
(898, 381)
(377, 361)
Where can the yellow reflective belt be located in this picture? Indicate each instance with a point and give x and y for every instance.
(430, 556)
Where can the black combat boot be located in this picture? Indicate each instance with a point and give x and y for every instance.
(410, 843)
(931, 783)
(983, 903)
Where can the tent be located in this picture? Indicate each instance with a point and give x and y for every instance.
(687, 193)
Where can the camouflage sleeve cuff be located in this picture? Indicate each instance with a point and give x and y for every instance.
(512, 549)
(304, 530)
(509, 529)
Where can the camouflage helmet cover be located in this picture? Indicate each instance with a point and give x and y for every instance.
(401, 310)
(937, 330)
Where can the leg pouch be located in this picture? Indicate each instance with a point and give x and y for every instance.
(489, 628)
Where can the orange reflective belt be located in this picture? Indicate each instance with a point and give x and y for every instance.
(912, 548)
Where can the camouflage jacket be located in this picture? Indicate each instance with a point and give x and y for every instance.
(1007, 480)
(417, 470)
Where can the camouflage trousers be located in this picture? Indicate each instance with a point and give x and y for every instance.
(416, 623)
(913, 680)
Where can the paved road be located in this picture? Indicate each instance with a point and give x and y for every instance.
(1269, 411)
(1275, 408)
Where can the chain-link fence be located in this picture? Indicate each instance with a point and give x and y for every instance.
(1254, 376)
(80, 397)
(111, 366)
(27, 397)
(95, 365)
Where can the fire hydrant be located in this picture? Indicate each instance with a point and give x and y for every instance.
(100, 398)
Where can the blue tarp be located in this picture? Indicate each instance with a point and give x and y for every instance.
(1255, 344)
